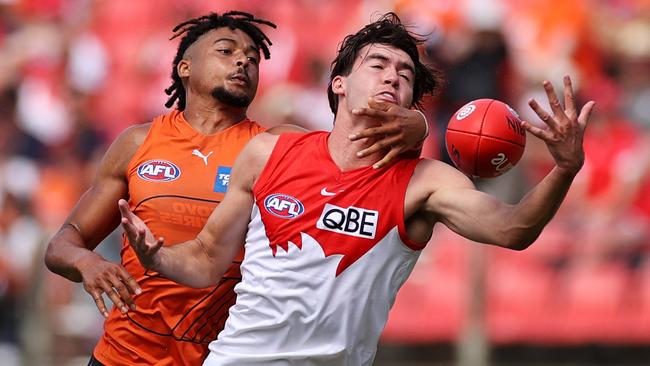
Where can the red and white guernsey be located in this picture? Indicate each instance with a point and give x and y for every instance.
(325, 254)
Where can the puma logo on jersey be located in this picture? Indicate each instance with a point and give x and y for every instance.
(353, 221)
(158, 171)
(196, 152)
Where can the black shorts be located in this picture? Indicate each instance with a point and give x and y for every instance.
(93, 362)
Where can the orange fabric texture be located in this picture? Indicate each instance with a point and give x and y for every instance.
(176, 178)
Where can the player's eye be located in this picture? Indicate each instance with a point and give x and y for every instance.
(406, 77)
(225, 51)
(377, 67)
(253, 60)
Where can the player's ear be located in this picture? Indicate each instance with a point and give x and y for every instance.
(183, 68)
(338, 85)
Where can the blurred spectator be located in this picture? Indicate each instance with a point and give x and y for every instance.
(20, 241)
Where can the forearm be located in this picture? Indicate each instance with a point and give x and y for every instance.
(529, 217)
(416, 151)
(190, 264)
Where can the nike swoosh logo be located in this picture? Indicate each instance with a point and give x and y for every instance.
(324, 192)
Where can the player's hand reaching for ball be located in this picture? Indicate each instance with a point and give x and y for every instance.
(140, 237)
(565, 127)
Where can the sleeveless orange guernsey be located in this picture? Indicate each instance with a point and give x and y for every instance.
(175, 180)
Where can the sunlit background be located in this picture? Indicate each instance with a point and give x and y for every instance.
(74, 73)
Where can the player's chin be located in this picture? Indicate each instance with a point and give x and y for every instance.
(235, 98)
(242, 91)
(244, 96)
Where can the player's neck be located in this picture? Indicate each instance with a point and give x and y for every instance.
(209, 116)
(343, 151)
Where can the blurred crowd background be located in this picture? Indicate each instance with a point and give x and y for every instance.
(74, 73)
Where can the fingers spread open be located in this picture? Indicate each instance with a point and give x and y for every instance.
(543, 115)
(538, 132)
(585, 114)
(556, 107)
(569, 98)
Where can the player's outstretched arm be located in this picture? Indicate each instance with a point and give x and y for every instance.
(202, 261)
(402, 131)
(70, 252)
(483, 218)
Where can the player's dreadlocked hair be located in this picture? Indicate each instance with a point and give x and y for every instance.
(195, 28)
(388, 30)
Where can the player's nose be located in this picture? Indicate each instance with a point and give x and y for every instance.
(390, 77)
(242, 60)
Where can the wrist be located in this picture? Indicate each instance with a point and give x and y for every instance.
(568, 172)
(154, 262)
(426, 126)
(84, 260)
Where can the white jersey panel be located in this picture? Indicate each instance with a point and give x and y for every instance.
(292, 309)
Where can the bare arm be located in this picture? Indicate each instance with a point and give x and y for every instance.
(483, 218)
(70, 252)
(201, 262)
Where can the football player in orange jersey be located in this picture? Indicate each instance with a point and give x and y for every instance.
(174, 171)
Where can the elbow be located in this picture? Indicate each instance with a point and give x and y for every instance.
(520, 241)
(519, 245)
(54, 258)
(49, 257)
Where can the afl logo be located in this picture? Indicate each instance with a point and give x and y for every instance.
(158, 171)
(465, 111)
(283, 206)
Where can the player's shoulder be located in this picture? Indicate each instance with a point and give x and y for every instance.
(286, 128)
(270, 136)
(135, 134)
(125, 146)
(433, 166)
(260, 147)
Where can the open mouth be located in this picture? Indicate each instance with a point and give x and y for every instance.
(387, 97)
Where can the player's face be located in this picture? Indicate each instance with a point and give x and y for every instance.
(224, 63)
(381, 72)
